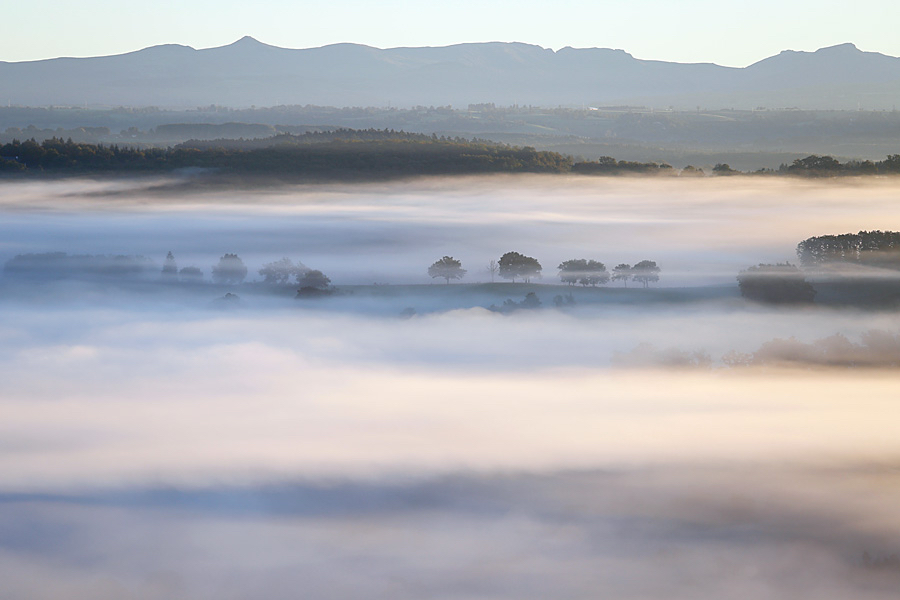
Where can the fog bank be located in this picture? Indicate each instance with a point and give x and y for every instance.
(180, 437)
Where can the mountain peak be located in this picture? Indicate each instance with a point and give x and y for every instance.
(248, 42)
(847, 47)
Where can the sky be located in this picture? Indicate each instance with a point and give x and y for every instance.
(730, 34)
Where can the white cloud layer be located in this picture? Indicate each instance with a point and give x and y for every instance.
(154, 446)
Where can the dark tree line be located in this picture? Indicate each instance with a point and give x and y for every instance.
(363, 153)
(781, 283)
(586, 272)
(341, 158)
(607, 165)
(819, 166)
(591, 272)
(870, 248)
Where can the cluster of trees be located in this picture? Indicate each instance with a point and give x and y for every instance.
(781, 283)
(513, 265)
(591, 272)
(58, 155)
(229, 270)
(607, 165)
(587, 272)
(531, 301)
(784, 283)
(819, 166)
(365, 153)
(340, 134)
(870, 248)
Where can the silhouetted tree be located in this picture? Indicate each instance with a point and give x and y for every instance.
(781, 283)
(492, 268)
(446, 268)
(281, 271)
(585, 272)
(622, 272)
(724, 169)
(170, 268)
(190, 274)
(645, 272)
(314, 279)
(231, 270)
(815, 165)
(561, 301)
(531, 301)
(509, 305)
(513, 265)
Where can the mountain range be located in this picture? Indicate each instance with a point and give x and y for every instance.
(251, 73)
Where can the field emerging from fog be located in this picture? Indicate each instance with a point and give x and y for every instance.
(404, 438)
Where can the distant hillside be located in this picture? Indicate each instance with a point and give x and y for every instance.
(377, 155)
(248, 73)
(369, 154)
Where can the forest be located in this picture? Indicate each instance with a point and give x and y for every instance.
(374, 156)
(367, 154)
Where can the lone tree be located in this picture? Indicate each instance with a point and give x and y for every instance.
(781, 283)
(622, 272)
(645, 272)
(585, 272)
(513, 264)
(281, 271)
(192, 274)
(447, 268)
(492, 269)
(170, 268)
(231, 269)
(724, 169)
(313, 279)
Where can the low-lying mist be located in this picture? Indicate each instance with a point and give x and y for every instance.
(210, 439)
(697, 231)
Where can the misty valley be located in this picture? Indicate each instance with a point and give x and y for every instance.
(483, 386)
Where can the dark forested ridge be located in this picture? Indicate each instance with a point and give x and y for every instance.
(328, 155)
(364, 154)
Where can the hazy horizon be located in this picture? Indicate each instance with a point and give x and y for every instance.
(251, 38)
(697, 31)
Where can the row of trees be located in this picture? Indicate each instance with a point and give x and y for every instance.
(784, 283)
(871, 248)
(373, 153)
(818, 166)
(587, 272)
(231, 270)
(592, 273)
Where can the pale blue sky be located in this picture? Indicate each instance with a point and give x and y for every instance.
(735, 33)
